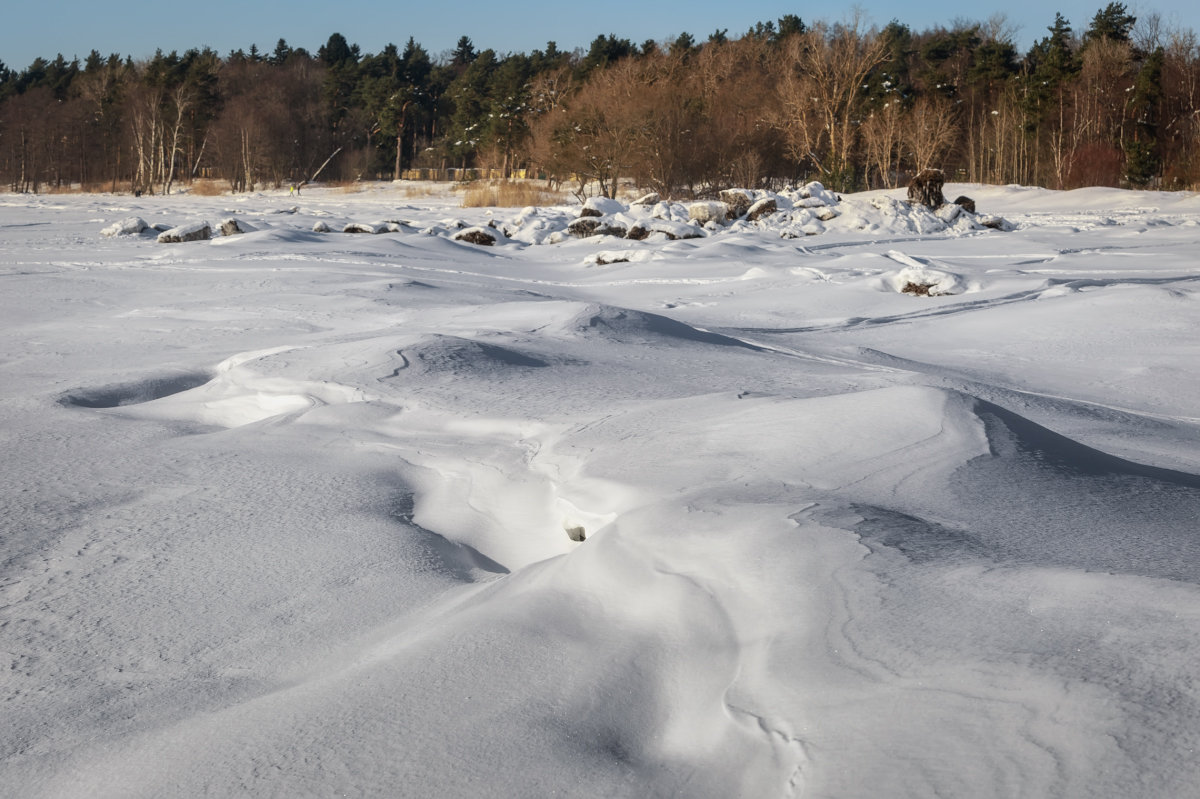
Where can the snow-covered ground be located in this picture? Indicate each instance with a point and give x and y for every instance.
(293, 513)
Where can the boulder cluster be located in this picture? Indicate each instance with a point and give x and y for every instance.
(807, 211)
(926, 189)
(196, 230)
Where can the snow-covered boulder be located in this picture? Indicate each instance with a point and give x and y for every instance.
(320, 227)
(586, 226)
(192, 231)
(816, 191)
(921, 280)
(366, 227)
(966, 203)
(708, 211)
(126, 227)
(647, 199)
(762, 208)
(481, 235)
(231, 227)
(925, 282)
(737, 202)
(996, 223)
(644, 228)
(600, 206)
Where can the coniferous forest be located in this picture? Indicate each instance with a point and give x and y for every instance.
(1113, 103)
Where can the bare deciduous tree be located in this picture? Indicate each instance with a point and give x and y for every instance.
(823, 96)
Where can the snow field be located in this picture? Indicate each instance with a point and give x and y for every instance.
(287, 513)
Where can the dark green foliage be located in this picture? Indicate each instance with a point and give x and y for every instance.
(1142, 151)
(464, 53)
(1141, 164)
(684, 45)
(1113, 22)
(606, 50)
(282, 53)
(336, 52)
(790, 25)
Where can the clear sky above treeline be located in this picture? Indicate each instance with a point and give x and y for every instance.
(138, 27)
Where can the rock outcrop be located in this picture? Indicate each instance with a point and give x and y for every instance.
(926, 188)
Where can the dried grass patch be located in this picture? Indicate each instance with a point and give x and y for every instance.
(509, 194)
(419, 191)
(206, 187)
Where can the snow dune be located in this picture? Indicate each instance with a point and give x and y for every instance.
(295, 513)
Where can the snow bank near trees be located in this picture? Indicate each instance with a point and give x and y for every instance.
(810, 210)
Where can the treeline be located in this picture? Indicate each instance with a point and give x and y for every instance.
(1117, 104)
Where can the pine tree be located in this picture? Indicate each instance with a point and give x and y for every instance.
(1113, 22)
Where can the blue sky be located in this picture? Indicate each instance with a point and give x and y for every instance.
(137, 27)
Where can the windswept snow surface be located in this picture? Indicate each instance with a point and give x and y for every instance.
(292, 513)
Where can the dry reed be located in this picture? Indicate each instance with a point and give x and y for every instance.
(207, 188)
(509, 194)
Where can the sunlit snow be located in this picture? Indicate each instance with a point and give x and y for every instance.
(305, 512)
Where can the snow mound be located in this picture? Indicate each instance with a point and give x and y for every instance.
(460, 356)
(920, 278)
(1108, 514)
(627, 326)
(126, 227)
(480, 234)
(135, 393)
(601, 206)
(606, 257)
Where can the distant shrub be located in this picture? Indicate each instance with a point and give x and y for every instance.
(1095, 164)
